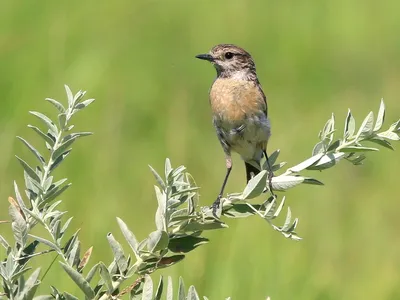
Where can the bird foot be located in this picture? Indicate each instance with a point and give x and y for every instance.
(215, 206)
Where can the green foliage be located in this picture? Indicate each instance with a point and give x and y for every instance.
(180, 221)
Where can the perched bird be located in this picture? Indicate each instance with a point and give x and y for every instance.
(239, 109)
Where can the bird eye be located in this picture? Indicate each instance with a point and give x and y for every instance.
(228, 55)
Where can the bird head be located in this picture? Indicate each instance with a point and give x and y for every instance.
(229, 60)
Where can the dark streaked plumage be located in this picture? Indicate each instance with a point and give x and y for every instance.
(239, 107)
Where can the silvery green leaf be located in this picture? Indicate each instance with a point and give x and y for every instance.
(59, 159)
(74, 254)
(170, 293)
(78, 96)
(118, 252)
(147, 288)
(185, 191)
(192, 182)
(70, 97)
(83, 104)
(161, 199)
(181, 290)
(70, 243)
(32, 174)
(272, 159)
(157, 240)
(291, 228)
(305, 164)
(194, 226)
(349, 125)
(30, 286)
(282, 183)
(160, 219)
(328, 129)
(18, 195)
(240, 210)
(389, 135)
(55, 230)
(366, 126)
(129, 236)
(334, 145)
(255, 186)
(327, 161)
(381, 117)
(18, 225)
(159, 290)
(4, 243)
(54, 193)
(32, 149)
(62, 149)
(357, 149)
(47, 183)
(279, 208)
(46, 242)
(192, 294)
(106, 276)
(158, 178)
(66, 224)
(168, 167)
(79, 280)
(92, 272)
(380, 141)
(44, 297)
(186, 243)
(68, 296)
(309, 180)
(75, 135)
(62, 120)
(56, 104)
(20, 273)
(288, 220)
(47, 121)
(178, 171)
(358, 160)
(46, 137)
(319, 148)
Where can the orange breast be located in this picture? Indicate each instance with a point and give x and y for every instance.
(233, 99)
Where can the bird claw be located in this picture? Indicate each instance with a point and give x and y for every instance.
(215, 206)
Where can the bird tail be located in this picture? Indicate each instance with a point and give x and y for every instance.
(251, 171)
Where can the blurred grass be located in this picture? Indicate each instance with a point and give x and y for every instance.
(137, 59)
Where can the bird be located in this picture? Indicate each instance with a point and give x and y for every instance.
(239, 111)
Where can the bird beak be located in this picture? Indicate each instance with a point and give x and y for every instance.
(205, 57)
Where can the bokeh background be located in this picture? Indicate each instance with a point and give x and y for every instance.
(137, 59)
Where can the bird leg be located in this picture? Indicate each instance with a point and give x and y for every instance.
(217, 202)
(270, 173)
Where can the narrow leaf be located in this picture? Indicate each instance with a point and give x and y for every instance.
(47, 138)
(192, 294)
(129, 236)
(118, 252)
(47, 121)
(366, 126)
(106, 276)
(159, 290)
(147, 288)
(255, 186)
(32, 149)
(56, 104)
(32, 174)
(79, 280)
(358, 149)
(381, 116)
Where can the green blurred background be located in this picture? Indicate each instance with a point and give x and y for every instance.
(137, 59)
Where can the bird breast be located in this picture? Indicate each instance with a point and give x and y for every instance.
(235, 100)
